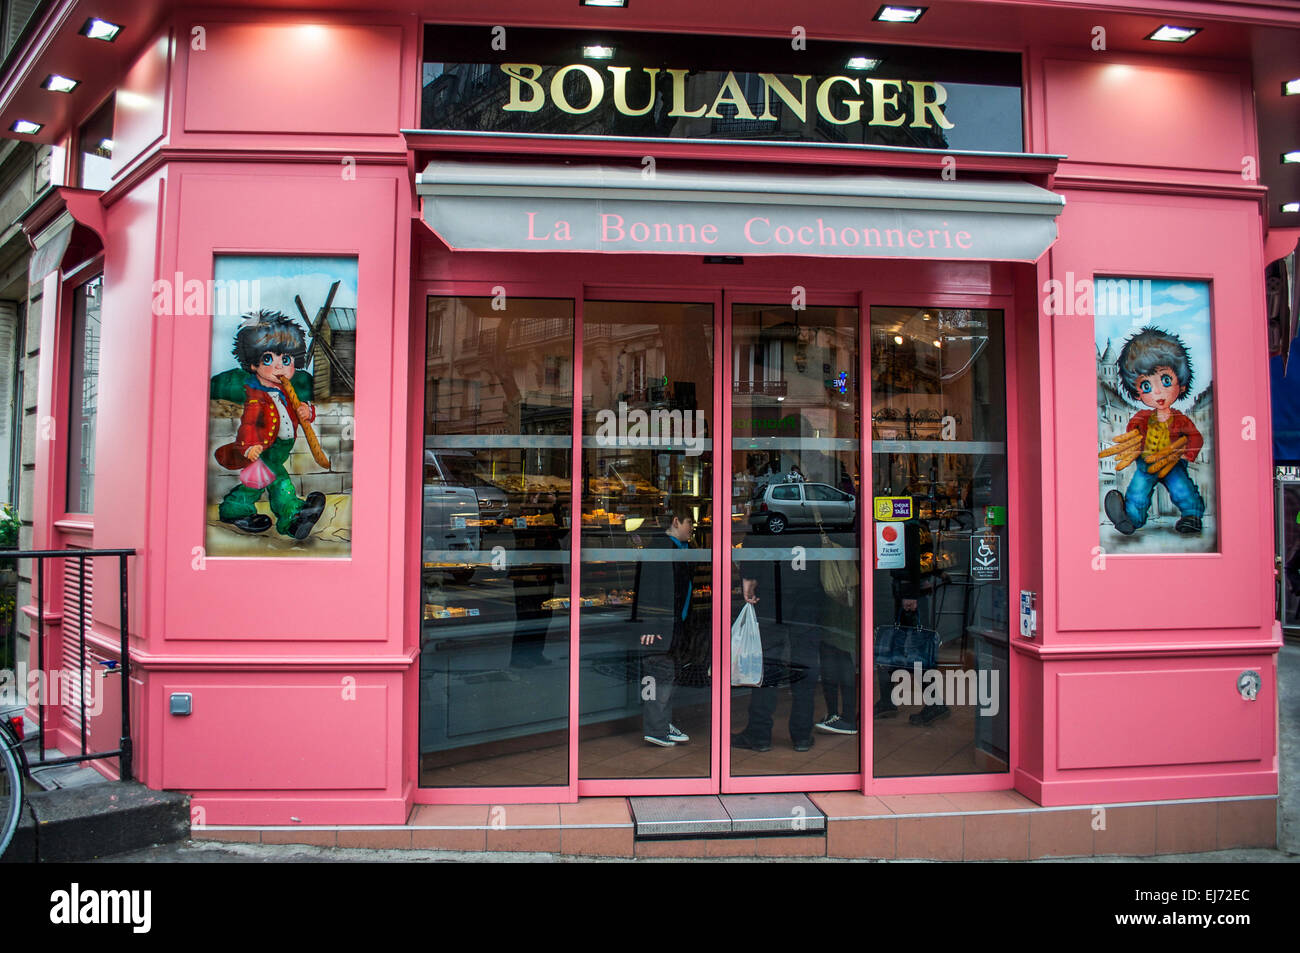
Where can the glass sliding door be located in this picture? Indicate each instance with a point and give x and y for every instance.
(795, 556)
(939, 448)
(496, 531)
(646, 613)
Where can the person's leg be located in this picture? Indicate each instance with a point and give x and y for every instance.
(282, 495)
(1137, 498)
(1183, 491)
(805, 665)
(656, 709)
(844, 673)
(239, 503)
(830, 684)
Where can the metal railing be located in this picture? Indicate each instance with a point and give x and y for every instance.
(123, 751)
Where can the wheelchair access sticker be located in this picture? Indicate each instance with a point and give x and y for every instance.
(985, 558)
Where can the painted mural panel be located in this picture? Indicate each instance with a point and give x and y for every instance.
(1155, 415)
(281, 406)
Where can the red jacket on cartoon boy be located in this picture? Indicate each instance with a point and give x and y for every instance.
(1180, 425)
(257, 427)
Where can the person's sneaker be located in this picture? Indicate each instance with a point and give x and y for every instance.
(804, 745)
(825, 723)
(1116, 513)
(740, 741)
(1189, 526)
(661, 742)
(930, 714)
(884, 709)
(677, 736)
(839, 726)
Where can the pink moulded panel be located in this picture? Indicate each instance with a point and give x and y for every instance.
(1151, 597)
(267, 602)
(326, 79)
(1187, 716)
(267, 732)
(1141, 114)
(140, 107)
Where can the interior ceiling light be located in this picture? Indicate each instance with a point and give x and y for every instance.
(59, 84)
(898, 339)
(1174, 34)
(598, 52)
(98, 29)
(106, 145)
(1291, 87)
(1293, 156)
(1291, 207)
(861, 62)
(25, 127)
(892, 14)
(602, 3)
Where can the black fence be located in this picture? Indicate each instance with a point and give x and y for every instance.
(121, 669)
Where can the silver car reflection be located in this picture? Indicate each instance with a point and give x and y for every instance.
(779, 506)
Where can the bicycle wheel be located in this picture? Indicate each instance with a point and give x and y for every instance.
(11, 791)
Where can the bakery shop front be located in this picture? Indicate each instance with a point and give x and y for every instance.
(640, 409)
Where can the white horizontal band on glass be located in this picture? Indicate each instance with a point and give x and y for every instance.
(646, 555)
(645, 443)
(455, 558)
(785, 554)
(496, 440)
(794, 443)
(939, 446)
(814, 554)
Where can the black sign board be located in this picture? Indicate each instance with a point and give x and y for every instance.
(649, 85)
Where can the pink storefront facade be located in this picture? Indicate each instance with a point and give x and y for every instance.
(289, 132)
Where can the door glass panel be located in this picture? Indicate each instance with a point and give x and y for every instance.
(646, 617)
(494, 606)
(794, 496)
(938, 429)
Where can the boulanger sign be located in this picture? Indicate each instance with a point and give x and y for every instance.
(644, 85)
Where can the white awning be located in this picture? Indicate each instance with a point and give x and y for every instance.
(499, 206)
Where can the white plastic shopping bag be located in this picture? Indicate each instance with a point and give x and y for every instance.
(746, 649)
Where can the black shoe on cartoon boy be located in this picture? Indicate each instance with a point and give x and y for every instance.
(1116, 514)
(307, 516)
(257, 523)
(1189, 526)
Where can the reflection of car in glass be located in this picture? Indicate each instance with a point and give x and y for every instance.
(457, 468)
(778, 506)
(451, 514)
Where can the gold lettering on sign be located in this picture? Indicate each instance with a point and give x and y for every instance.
(679, 96)
(879, 101)
(620, 91)
(730, 92)
(824, 104)
(557, 88)
(528, 94)
(921, 105)
(773, 85)
(517, 78)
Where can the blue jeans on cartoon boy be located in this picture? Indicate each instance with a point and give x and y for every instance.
(1137, 498)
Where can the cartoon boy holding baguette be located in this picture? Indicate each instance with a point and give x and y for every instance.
(1155, 369)
(271, 351)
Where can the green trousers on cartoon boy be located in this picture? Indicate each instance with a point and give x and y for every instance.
(285, 503)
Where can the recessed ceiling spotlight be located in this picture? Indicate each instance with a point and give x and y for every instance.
(1292, 156)
(1291, 87)
(598, 52)
(862, 62)
(892, 14)
(25, 127)
(1174, 34)
(1291, 207)
(602, 3)
(98, 29)
(59, 84)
